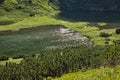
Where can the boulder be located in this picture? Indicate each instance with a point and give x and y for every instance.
(117, 31)
(106, 42)
(31, 14)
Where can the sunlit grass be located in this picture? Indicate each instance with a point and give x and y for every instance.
(40, 21)
(17, 61)
(93, 74)
(92, 31)
(102, 24)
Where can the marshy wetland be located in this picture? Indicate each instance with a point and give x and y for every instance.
(34, 40)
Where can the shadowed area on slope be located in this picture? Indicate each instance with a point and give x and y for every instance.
(90, 16)
(106, 26)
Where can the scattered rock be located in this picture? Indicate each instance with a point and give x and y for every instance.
(31, 14)
(106, 42)
(117, 31)
(118, 41)
(68, 34)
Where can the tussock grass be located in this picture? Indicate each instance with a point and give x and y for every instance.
(93, 74)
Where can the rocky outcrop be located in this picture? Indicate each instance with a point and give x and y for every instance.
(90, 5)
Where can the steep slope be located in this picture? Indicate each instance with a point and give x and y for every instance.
(27, 6)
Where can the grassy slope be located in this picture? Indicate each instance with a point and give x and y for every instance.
(37, 6)
(15, 11)
(94, 74)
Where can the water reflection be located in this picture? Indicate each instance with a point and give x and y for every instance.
(91, 16)
(40, 38)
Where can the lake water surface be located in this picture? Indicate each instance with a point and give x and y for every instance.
(40, 38)
(112, 19)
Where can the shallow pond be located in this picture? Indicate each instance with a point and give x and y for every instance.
(40, 38)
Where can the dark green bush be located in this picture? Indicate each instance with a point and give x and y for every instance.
(3, 58)
(106, 42)
(103, 34)
(30, 1)
(117, 31)
(6, 22)
(18, 56)
(117, 42)
(57, 62)
(31, 14)
(1, 1)
(19, 7)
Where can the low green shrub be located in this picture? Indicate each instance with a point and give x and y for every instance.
(117, 31)
(103, 34)
(3, 58)
(54, 63)
(1, 1)
(31, 14)
(106, 42)
(6, 22)
(18, 56)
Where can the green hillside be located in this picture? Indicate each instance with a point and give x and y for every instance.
(12, 11)
(25, 6)
(94, 74)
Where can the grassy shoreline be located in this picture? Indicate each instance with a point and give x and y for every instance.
(92, 32)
